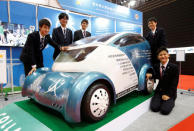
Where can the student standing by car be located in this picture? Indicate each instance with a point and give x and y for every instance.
(166, 90)
(62, 35)
(156, 37)
(82, 33)
(31, 55)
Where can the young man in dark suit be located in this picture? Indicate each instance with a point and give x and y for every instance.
(166, 90)
(82, 33)
(156, 37)
(31, 55)
(62, 35)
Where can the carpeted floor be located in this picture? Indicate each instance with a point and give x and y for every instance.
(185, 125)
(186, 82)
(151, 121)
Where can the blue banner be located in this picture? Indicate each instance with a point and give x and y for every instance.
(103, 9)
(102, 26)
(3, 12)
(128, 27)
(74, 22)
(22, 13)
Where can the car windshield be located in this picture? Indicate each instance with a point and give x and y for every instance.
(74, 55)
(99, 38)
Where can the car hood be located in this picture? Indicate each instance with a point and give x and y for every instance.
(49, 87)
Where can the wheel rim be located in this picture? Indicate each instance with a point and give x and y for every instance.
(99, 102)
(150, 85)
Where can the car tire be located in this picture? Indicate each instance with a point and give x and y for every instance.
(96, 103)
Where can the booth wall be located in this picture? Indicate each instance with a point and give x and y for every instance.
(23, 20)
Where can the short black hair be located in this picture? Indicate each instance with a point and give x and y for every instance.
(152, 19)
(84, 20)
(44, 22)
(63, 15)
(162, 48)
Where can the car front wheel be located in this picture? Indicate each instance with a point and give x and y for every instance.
(96, 102)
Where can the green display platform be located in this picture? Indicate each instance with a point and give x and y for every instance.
(54, 120)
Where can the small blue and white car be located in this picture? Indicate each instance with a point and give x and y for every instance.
(93, 73)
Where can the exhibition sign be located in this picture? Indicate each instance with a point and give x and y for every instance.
(103, 9)
(180, 55)
(3, 78)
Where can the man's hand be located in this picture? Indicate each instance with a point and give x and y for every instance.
(32, 70)
(165, 97)
(64, 48)
(148, 76)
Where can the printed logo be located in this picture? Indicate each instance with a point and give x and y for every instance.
(78, 2)
(55, 86)
(136, 16)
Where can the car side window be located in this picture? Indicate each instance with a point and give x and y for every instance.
(129, 40)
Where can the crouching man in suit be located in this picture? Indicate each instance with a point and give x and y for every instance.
(166, 90)
(31, 55)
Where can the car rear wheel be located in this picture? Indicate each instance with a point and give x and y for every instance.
(96, 102)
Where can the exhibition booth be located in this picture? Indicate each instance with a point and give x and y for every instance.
(18, 19)
(104, 68)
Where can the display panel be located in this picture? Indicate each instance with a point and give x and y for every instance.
(102, 8)
(128, 27)
(102, 26)
(14, 34)
(22, 22)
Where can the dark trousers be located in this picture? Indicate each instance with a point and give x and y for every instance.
(164, 106)
(28, 68)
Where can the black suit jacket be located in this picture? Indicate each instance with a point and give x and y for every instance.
(59, 38)
(156, 41)
(32, 52)
(168, 83)
(79, 35)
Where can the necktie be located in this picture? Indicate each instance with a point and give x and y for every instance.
(64, 33)
(84, 33)
(41, 43)
(163, 69)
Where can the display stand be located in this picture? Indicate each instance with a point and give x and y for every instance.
(180, 57)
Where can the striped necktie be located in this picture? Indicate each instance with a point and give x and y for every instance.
(162, 72)
(84, 33)
(41, 43)
(65, 32)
